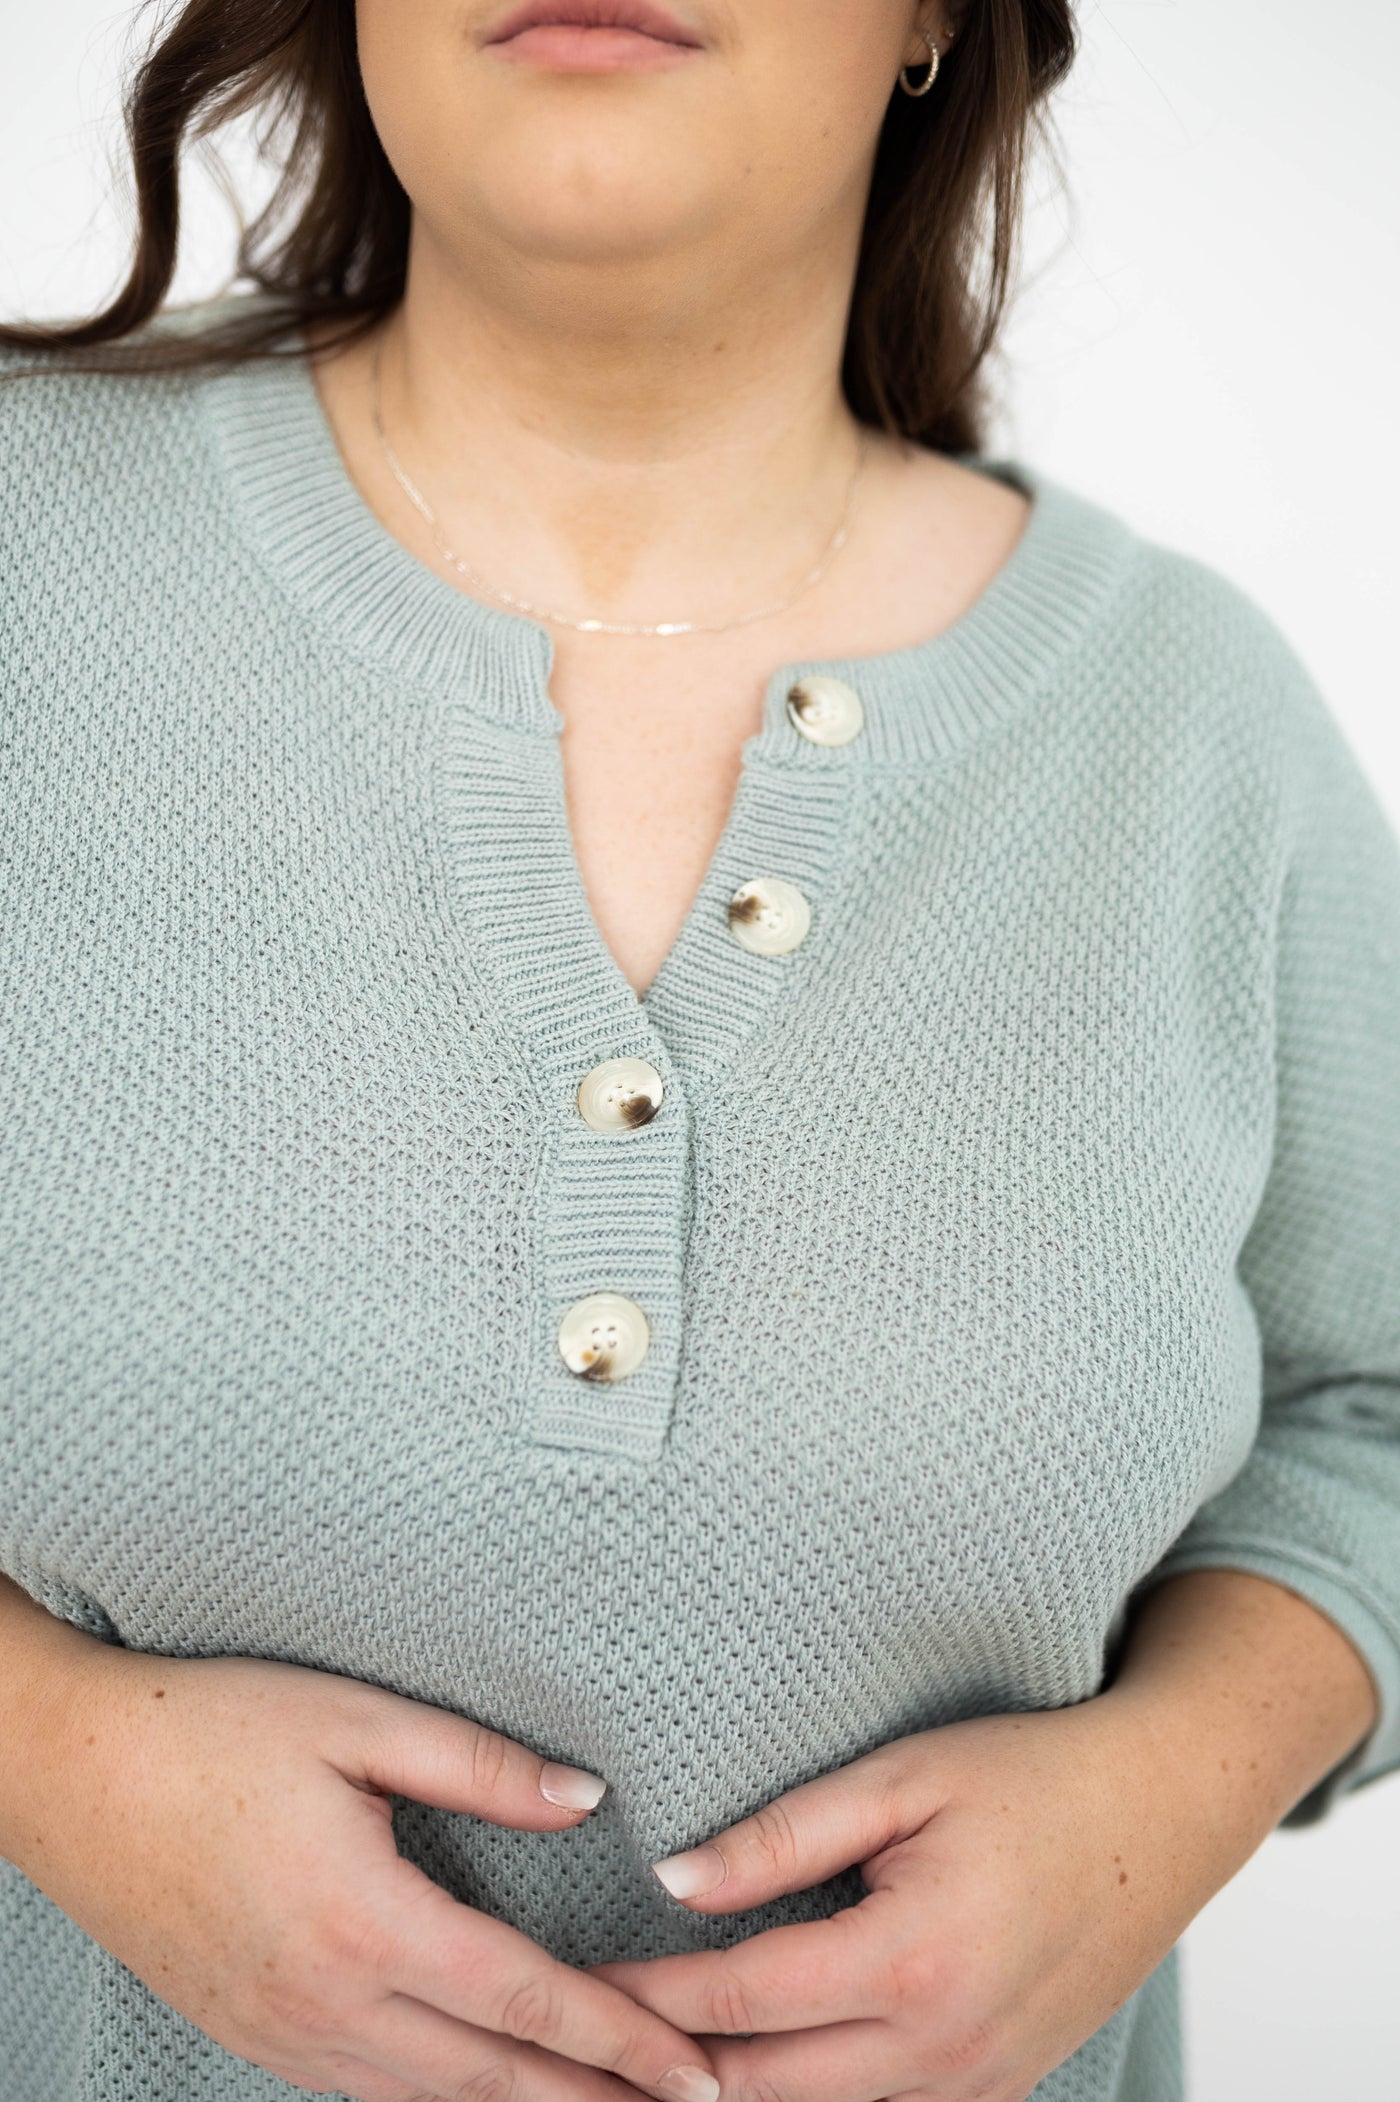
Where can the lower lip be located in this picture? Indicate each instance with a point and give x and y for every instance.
(576, 48)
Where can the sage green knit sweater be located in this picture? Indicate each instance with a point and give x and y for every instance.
(1026, 1233)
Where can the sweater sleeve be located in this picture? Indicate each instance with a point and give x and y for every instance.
(1316, 1505)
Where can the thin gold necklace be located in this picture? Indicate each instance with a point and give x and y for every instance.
(605, 627)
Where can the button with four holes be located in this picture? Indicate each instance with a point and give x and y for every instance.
(620, 1094)
(769, 916)
(604, 1336)
(826, 710)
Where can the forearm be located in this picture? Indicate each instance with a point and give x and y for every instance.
(1248, 1691)
(39, 1655)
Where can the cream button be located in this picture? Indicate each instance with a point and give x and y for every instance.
(604, 1336)
(769, 916)
(619, 1094)
(826, 710)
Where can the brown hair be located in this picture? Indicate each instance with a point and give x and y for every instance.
(332, 243)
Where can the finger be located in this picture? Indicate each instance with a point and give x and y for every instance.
(483, 1971)
(812, 1832)
(405, 1747)
(797, 1977)
(845, 2062)
(429, 2050)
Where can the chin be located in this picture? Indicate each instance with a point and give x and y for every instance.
(561, 205)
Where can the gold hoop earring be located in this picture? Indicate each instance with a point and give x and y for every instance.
(932, 41)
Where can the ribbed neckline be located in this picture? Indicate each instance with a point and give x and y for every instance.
(332, 557)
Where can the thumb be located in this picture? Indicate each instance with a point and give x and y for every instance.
(430, 1755)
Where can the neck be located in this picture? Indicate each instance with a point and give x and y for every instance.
(617, 447)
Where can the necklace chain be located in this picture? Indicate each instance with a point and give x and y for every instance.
(603, 627)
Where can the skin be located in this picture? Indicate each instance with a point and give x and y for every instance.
(1024, 1872)
(222, 1825)
(615, 376)
(617, 366)
(616, 370)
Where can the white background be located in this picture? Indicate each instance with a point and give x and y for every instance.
(1205, 341)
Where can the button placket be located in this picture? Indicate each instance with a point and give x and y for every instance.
(615, 1074)
(772, 873)
(606, 1206)
(605, 1335)
(614, 1201)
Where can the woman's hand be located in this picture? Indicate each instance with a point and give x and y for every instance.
(222, 1826)
(1025, 1873)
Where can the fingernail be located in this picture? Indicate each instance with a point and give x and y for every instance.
(571, 1786)
(691, 1875)
(690, 2084)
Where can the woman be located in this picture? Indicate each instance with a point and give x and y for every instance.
(701, 1140)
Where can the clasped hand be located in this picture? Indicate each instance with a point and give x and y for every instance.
(1024, 1874)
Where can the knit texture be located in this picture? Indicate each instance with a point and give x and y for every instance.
(1028, 1234)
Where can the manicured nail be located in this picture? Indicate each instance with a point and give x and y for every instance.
(689, 2084)
(571, 1786)
(691, 1875)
